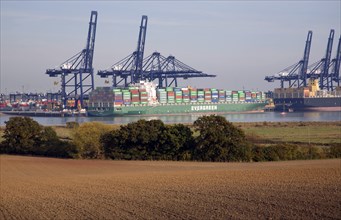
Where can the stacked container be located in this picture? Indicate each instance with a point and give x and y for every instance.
(185, 94)
(248, 96)
(241, 96)
(193, 95)
(169, 89)
(235, 96)
(170, 97)
(108, 97)
(143, 96)
(201, 96)
(118, 100)
(135, 96)
(214, 95)
(253, 96)
(222, 96)
(100, 97)
(126, 97)
(229, 96)
(178, 95)
(263, 96)
(208, 95)
(162, 96)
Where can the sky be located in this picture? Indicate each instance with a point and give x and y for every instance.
(239, 41)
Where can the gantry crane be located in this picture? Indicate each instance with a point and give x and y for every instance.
(134, 68)
(77, 72)
(335, 72)
(320, 69)
(129, 69)
(167, 70)
(295, 74)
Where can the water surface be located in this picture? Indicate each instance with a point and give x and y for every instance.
(236, 117)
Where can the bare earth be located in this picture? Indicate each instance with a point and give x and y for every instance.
(44, 188)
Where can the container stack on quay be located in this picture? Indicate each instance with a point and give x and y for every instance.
(22, 102)
(110, 97)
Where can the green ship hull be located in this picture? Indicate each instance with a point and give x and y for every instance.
(178, 109)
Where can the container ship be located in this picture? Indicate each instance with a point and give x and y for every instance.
(309, 98)
(145, 99)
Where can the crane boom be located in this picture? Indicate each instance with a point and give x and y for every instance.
(324, 75)
(90, 44)
(140, 44)
(336, 67)
(303, 72)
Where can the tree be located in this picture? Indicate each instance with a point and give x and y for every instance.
(112, 144)
(52, 146)
(220, 140)
(137, 140)
(22, 135)
(147, 140)
(258, 153)
(334, 151)
(178, 142)
(86, 138)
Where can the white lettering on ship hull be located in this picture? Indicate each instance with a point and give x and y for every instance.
(204, 108)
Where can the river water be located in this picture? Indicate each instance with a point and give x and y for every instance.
(237, 117)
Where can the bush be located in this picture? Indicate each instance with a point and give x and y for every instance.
(258, 154)
(3, 148)
(52, 146)
(72, 124)
(287, 152)
(270, 153)
(145, 140)
(63, 149)
(220, 140)
(86, 138)
(334, 152)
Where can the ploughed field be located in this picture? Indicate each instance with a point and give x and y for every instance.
(45, 188)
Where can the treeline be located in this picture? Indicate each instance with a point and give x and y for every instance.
(24, 136)
(210, 138)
